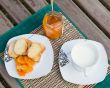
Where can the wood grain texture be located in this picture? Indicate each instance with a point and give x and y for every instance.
(106, 3)
(5, 24)
(36, 4)
(15, 9)
(18, 12)
(3, 82)
(11, 81)
(84, 23)
(98, 12)
(1, 86)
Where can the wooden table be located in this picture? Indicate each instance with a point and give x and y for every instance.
(91, 16)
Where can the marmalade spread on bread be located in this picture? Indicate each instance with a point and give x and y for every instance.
(26, 54)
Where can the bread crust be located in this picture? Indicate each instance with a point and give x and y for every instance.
(37, 58)
(28, 45)
(34, 50)
(20, 46)
(11, 52)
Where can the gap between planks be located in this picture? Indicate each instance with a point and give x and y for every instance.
(18, 17)
(5, 24)
(15, 9)
(84, 23)
(3, 83)
(35, 5)
(1, 86)
(96, 11)
(7, 15)
(106, 3)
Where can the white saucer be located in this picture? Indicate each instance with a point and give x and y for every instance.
(40, 69)
(95, 74)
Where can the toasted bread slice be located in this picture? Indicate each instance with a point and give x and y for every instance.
(28, 45)
(20, 46)
(29, 42)
(11, 50)
(34, 50)
(37, 58)
(42, 47)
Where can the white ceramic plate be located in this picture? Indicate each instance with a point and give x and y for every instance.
(95, 74)
(40, 69)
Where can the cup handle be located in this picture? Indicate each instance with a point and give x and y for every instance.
(84, 72)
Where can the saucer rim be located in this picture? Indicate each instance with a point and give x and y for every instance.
(65, 78)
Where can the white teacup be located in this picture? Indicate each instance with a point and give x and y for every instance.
(84, 55)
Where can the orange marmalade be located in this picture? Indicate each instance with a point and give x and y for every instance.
(53, 25)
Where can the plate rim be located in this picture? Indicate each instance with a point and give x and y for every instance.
(25, 35)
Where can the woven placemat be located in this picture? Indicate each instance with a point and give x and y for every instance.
(54, 78)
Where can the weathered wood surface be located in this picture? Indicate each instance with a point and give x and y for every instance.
(36, 4)
(3, 82)
(11, 81)
(84, 23)
(15, 9)
(18, 14)
(1, 86)
(5, 24)
(97, 11)
(106, 3)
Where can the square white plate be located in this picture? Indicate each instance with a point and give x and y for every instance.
(95, 74)
(40, 69)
